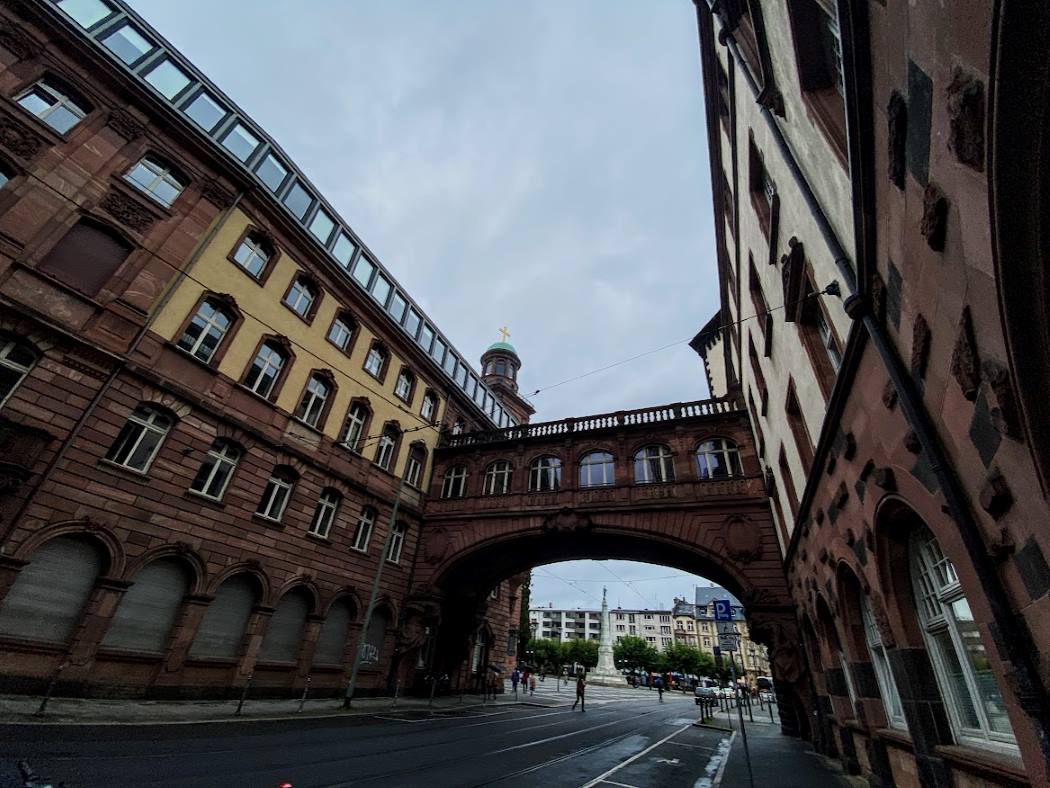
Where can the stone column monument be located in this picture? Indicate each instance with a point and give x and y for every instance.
(606, 674)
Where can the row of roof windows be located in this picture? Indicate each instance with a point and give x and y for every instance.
(108, 23)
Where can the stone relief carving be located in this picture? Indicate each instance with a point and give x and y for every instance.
(1002, 402)
(743, 539)
(125, 124)
(966, 118)
(965, 362)
(19, 138)
(566, 520)
(436, 546)
(127, 211)
(934, 217)
(18, 42)
(217, 194)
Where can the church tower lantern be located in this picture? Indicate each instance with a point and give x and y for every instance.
(500, 365)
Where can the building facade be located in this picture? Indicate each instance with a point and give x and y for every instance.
(695, 626)
(652, 626)
(880, 248)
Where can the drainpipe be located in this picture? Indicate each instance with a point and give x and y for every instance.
(120, 365)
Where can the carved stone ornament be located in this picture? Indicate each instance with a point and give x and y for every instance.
(217, 194)
(897, 134)
(966, 119)
(19, 43)
(125, 124)
(19, 138)
(1002, 402)
(911, 442)
(878, 297)
(934, 217)
(743, 538)
(127, 211)
(889, 395)
(966, 366)
(996, 497)
(920, 347)
(435, 548)
(566, 521)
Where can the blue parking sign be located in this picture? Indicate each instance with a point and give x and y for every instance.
(723, 610)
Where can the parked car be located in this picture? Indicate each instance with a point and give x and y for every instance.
(705, 693)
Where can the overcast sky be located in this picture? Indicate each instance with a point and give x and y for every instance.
(540, 165)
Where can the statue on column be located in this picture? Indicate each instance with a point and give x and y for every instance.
(606, 674)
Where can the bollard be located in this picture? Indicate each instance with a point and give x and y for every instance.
(770, 707)
(397, 691)
(244, 692)
(51, 687)
(433, 689)
(302, 700)
(750, 712)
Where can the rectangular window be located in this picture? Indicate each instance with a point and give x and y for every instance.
(168, 78)
(206, 112)
(298, 200)
(397, 542)
(426, 338)
(324, 514)
(275, 498)
(271, 172)
(381, 289)
(321, 226)
(363, 531)
(437, 351)
(413, 470)
(412, 323)
(461, 375)
(450, 364)
(363, 271)
(128, 44)
(140, 439)
(340, 332)
(344, 250)
(397, 307)
(241, 142)
(758, 298)
(216, 470)
(798, 427)
(86, 13)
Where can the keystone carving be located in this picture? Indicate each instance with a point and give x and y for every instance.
(125, 124)
(567, 520)
(934, 217)
(217, 194)
(1003, 403)
(19, 43)
(19, 139)
(965, 363)
(743, 539)
(897, 121)
(436, 547)
(920, 347)
(127, 211)
(966, 119)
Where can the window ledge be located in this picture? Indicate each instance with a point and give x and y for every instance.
(318, 538)
(129, 655)
(308, 426)
(223, 662)
(109, 465)
(307, 318)
(896, 736)
(361, 550)
(993, 764)
(172, 345)
(269, 522)
(255, 394)
(199, 496)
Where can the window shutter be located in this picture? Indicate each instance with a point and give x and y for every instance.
(222, 629)
(331, 645)
(285, 633)
(86, 257)
(49, 594)
(148, 609)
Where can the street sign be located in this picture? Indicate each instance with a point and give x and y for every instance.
(727, 641)
(723, 610)
(724, 626)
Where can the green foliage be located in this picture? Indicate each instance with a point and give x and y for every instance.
(547, 653)
(583, 651)
(524, 631)
(633, 652)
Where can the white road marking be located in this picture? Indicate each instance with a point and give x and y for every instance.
(635, 757)
(717, 764)
(621, 785)
(668, 761)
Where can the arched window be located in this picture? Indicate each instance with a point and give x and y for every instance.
(206, 330)
(417, 460)
(891, 699)
(363, 531)
(266, 369)
(356, 419)
(301, 297)
(501, 367)
(454, 485)
(373, 647)
(386, 448)
(653, 465)
(718, 459)
(284, 635)
(325, 512)
(375, 361)
(140, 439)
(331, 643)
(429, 408)
(497, 478)
(960, 661)
(217, 469)
(148, 609)
(17, 357)
(222, 629)
(53, 104)
(48, 595)
(545, 474)
(597, 469)
(253, 253)
(406, 381)
(342, 331)
(276, 495)
(155, 178)
(312, 407)
(86, 257)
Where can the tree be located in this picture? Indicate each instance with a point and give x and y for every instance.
(524, 630)
(632, 653)
(548, 653)
(682, 659)
(583, 651)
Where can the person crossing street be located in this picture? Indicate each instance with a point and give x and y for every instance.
(581, 687)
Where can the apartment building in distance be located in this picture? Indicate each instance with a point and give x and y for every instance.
(653, 626)
(694, 625)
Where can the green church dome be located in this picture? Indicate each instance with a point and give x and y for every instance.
(502, 346)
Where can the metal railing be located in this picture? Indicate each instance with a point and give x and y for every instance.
(603, 421)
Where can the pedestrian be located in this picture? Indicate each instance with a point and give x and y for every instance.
(525, 681)
(581, 687)
(515, 677)
(659, 682)
(532, 684)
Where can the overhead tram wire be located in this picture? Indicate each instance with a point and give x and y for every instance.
(627, 583)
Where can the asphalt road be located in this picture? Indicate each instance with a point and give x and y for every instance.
(625, 738)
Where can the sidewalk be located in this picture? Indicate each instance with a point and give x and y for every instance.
(82, 711)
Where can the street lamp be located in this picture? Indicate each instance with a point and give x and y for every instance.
(533, 626)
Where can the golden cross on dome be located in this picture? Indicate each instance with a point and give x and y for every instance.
(504, 333)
